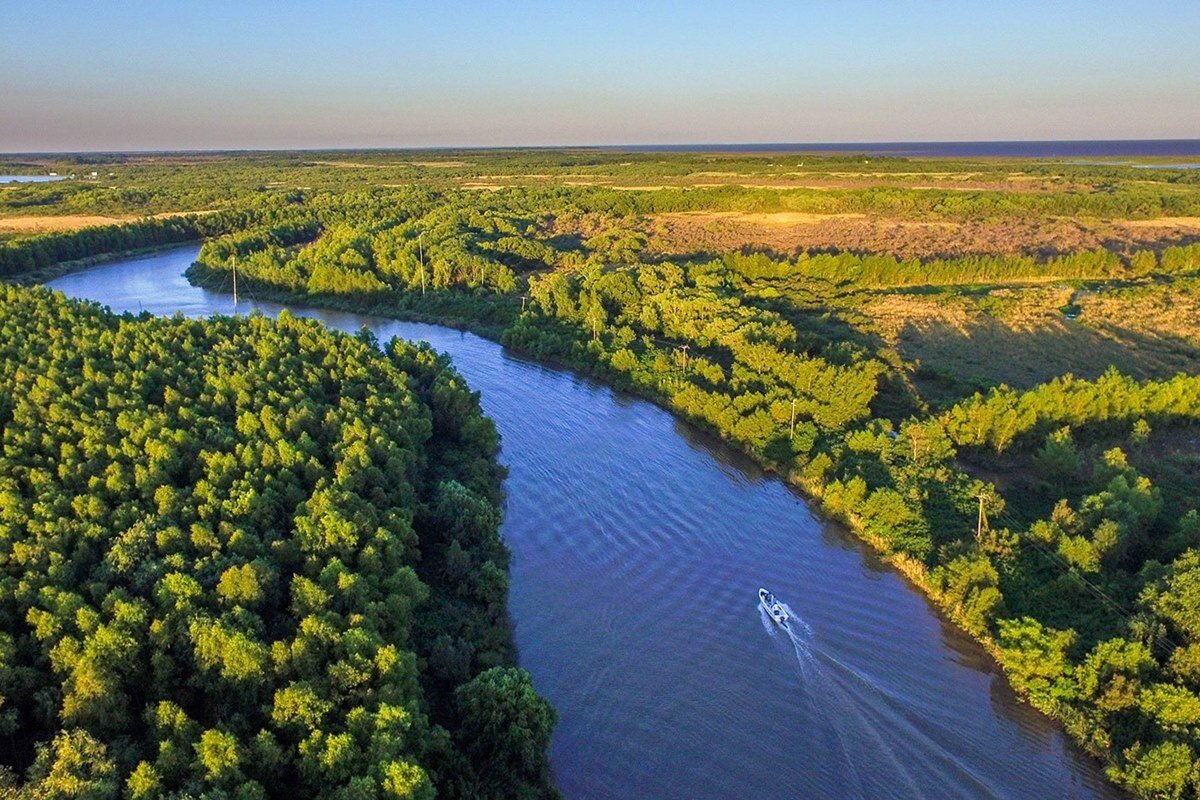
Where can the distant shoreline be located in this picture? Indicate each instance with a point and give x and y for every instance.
(1099, 148)
(1050, 148)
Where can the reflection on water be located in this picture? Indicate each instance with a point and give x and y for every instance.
(29, 178)
(638, 548)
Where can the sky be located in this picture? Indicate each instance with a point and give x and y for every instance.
(135, 75)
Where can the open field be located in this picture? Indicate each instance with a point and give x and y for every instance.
(64, 222)
(787, 232)
(959, 342)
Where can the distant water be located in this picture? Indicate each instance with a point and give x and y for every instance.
(638, 549)
(29, 178)
(1115, 148)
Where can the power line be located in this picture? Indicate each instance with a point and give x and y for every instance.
(1058, 560)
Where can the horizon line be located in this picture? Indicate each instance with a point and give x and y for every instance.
(629, 146)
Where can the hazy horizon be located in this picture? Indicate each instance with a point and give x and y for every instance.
(1191, 147)
(169, 77)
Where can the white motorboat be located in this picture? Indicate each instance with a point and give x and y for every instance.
(773, 607)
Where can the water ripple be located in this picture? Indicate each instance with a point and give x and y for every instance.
(638, 548)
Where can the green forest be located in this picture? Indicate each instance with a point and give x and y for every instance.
(1053, 516)
(249, 559)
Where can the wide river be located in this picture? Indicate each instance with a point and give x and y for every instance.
(638, 548)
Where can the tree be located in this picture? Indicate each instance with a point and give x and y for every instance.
(1035, 658)
(1177, 597)
(505, 727)
(74, 767)
(1058, 460)
(1159, 771)
(970, 585)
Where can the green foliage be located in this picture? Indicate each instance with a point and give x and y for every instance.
(210, 580)
(1161, 771)
(970, 586)
(507, 730)
(265, 539)
(1176, 597)
(1036, 659)
(999, 418)
(1058, 460)
(730, 344)
(888, 517)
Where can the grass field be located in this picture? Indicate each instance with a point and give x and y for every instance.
(788, 232)
(957, 341)
(61, 222)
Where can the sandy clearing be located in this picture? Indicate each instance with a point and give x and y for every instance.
(169, 214)
(356, 164)
(74, 222)
(1161, 222)
(949, 175)
(794, 217)
(66, 222)
(764, 218)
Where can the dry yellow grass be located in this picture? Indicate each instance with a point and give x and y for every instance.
(66, 222)
(1163, 222)
(775, 219)
(74, 222)
(785, 232)
(352, 164)
(1019, 335)
(1167, 311)
(959, 176)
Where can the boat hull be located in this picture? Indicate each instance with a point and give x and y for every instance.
(773, 607)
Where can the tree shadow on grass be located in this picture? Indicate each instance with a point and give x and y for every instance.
(957, 361)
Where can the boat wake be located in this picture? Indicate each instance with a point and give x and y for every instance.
(865, 715)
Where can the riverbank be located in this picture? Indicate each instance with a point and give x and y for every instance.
(67, 267)
(211, 280)
(917, 574)
(609, 500)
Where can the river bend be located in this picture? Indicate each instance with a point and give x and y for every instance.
(638, 548)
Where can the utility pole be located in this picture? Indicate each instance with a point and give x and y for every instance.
(235, 280)
(421, 253)
(983, 522)
(792, 427)
(684, 348)
(523, 299)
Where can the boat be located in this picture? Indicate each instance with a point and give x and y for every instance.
(772, 606)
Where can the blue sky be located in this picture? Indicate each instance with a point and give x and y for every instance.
(160, 75)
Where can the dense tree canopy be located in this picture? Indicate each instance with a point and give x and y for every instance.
(244, 558)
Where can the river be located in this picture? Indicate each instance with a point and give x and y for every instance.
(30, 178)
(638, 548)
